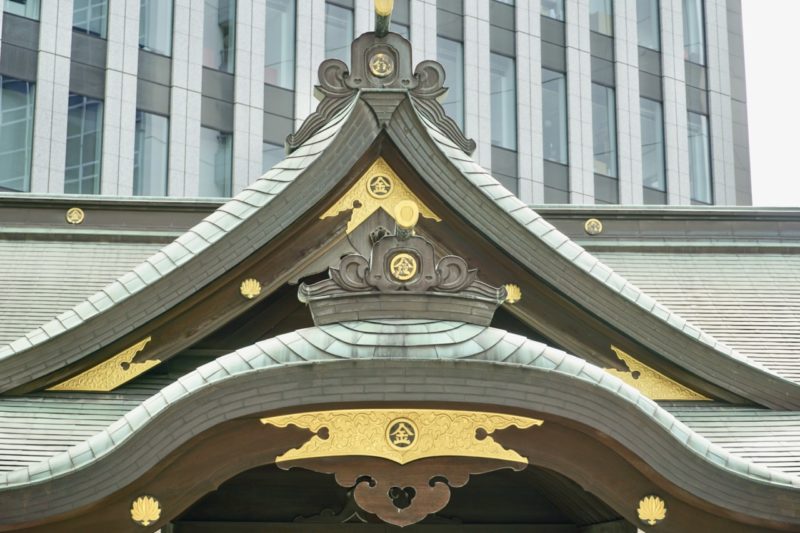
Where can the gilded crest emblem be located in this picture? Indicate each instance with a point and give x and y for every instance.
(593, 226)
(652, 510)
(380, 186)
(75, 215)
(381, 65)
(403, 267)
(401, 433)
(145, 510)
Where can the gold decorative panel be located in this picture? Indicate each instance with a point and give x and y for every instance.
(401, 435)
(652, 510)
(111, 373)
(145, 510)
(650, 382)
(378, 188)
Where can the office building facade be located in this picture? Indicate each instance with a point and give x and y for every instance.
(569, 101)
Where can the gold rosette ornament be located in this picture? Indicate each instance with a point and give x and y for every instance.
(145, 510)
(652, 510)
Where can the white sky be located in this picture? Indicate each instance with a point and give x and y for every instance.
(772, 61)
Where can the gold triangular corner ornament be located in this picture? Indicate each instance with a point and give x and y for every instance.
(111, 373)
(379, 187)
(650, 382)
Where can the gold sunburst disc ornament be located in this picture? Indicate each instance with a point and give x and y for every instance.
(652, 510)
(381, 65)
(513, 293)
(593, 226)
(145, 510)
(250, 288)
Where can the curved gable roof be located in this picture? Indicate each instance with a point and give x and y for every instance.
(253, 218)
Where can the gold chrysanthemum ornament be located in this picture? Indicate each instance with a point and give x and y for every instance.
(652, 510)
(250, 288)
(145, 510)
(513, 293)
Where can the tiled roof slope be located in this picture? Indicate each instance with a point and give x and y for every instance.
(385, 339)
(750, 301)
(213, 228)
(40, 279)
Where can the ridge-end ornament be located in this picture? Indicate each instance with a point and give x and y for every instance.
(652, 510)
(593, 226)
(75, 215)
(250, 288)
(145, 510)
(513, 293)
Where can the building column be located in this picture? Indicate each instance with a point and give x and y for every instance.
(423, 30)
(248, 99)
(310, 52)
(52, 97)
(629, 127)
(477, 79)
(579, 102)
(186, 98)
(119, 106)
(675, 118)
(720, 118)
(529, 103)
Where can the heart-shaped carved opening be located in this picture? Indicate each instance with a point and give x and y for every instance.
(401, 497)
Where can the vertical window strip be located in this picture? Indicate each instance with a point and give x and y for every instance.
(694, 35)
(699, 158)
(90, 17)
(23, 8)
(279, 54)
(155, 26)
(338, 32)
(648, 24)
(84, 143)
(504, 101)
(604, 130)
(216, 150)
(450, 54)
(553, 9)
(653, 164)
(601, 17)
(554, 116)
(151, 151)
(219, 34)
(16, 134)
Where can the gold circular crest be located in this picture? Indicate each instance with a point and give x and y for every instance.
(381, 65)
(380, 186)
(593, 226)
(401, 433)
(75, 215)
(403, 266)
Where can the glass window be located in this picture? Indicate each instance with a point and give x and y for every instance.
(271, 155)
(155, 26)
(216, 149)
(601, 17)
(219, 34)
(338, 32)
(16, 134)
(504, 102)
(694, 36)
(279, 52)
(699, 158)
(23, 8)
(90, 16)
(604, 130)
(554, 116)
(648, 25)
(402, 29)
(451, 55)
(84, 144)
(553, 9)
(151, 146)
(652, 120)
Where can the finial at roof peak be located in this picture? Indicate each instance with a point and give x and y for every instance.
(383, 16)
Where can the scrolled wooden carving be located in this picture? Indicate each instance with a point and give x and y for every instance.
(402, 494)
